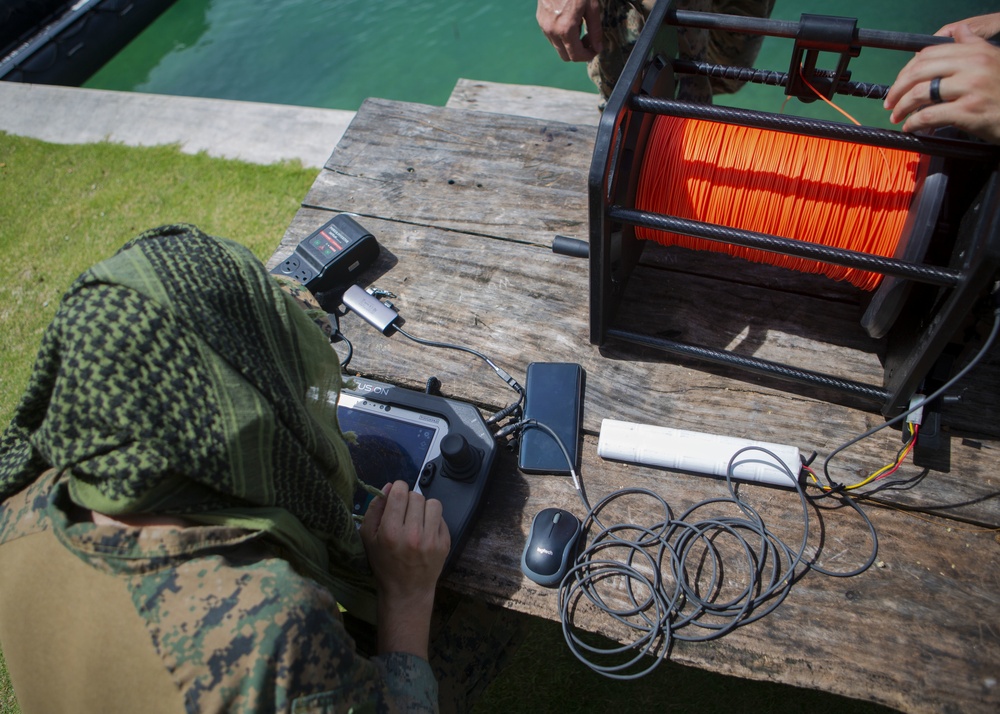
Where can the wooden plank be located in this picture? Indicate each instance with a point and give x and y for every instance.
(462, 275)
(917, 631)
(715, 312)
(547, 103)
(487, 174)
(521, 303)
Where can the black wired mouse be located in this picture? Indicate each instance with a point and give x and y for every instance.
(548, 553)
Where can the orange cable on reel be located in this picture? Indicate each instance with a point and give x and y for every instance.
(833, 193)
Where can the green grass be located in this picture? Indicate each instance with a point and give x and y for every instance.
(63, 208)
(8, 704)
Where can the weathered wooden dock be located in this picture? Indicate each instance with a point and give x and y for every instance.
(465, 201)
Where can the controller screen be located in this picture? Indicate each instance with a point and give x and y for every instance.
(387, 449)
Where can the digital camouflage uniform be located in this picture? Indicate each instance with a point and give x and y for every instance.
(623, 20)
(198, 619)
(179, 380)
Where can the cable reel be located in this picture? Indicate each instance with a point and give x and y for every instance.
(948, 249)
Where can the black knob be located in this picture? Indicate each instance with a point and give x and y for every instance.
(461, 461)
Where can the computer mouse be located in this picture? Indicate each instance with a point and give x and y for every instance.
(548, 553)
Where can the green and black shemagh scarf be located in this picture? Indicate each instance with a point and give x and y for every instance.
(178, 378)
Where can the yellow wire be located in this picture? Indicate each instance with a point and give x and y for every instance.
(871, 477)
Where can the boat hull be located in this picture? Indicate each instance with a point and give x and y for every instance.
(68, 49)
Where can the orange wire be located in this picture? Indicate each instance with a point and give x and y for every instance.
(832, 193)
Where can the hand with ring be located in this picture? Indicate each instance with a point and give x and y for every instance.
(954, 84)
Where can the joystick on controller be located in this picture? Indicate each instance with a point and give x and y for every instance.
(461, 460)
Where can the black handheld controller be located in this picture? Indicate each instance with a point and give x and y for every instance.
(440, 446)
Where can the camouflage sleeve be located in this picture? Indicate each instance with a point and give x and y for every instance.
(235, 626)
(411, 681)
(249, 636)
(410, 684)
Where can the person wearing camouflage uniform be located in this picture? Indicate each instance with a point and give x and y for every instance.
(175, 506)
(613, 26)
(115, 618)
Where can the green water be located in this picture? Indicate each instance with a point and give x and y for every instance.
(336, 53)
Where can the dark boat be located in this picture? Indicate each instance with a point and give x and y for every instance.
(60, 42)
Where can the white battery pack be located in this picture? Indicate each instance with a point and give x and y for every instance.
(698, 452)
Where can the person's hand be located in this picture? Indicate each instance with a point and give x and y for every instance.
(967, 72)
(407, 542)
(562, 22)
(984, 26)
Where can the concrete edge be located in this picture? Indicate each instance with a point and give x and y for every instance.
(254, 132)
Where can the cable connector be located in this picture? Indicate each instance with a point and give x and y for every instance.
(508, 430)
(511, 382)
(915, 412)
(510, 409)
(370, 309)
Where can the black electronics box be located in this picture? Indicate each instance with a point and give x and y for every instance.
(328, 260)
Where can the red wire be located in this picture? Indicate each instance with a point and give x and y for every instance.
(902, 455)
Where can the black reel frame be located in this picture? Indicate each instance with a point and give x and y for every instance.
(939, 290)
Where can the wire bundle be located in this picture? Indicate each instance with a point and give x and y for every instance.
(692, 578)
(833, 193)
